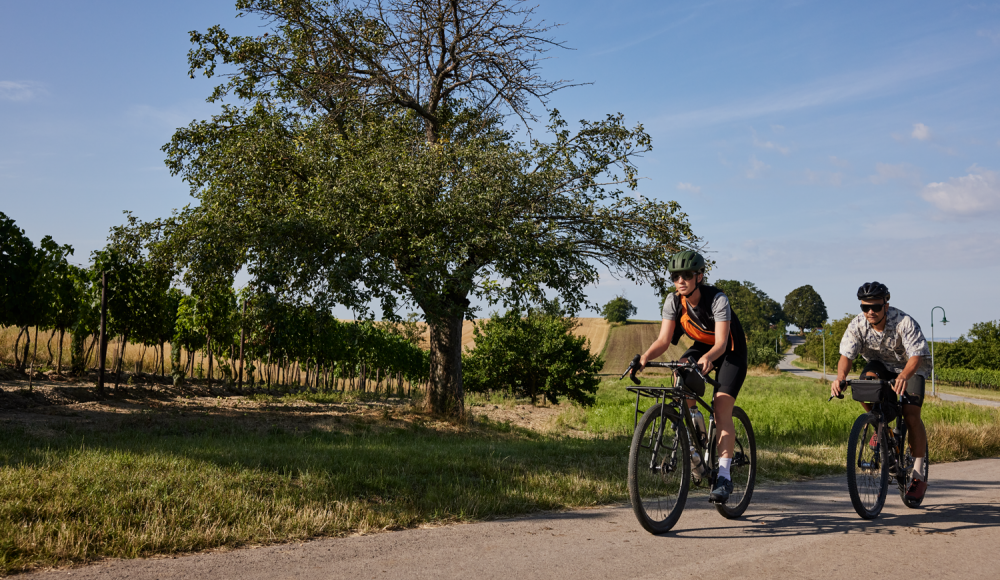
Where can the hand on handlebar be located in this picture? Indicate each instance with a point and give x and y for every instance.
(899, 385)
(704, 366)
(837, 389)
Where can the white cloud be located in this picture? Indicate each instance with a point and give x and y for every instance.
(976, 193)
(883, 79)
(838, 162)
(835, 179)
(994, 36)
(689, 187)
(778, 128)
(921, 132)
(904, 172)
(757, 167)
(20, 90)
(769, 145)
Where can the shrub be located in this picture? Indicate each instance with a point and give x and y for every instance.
(531, 356)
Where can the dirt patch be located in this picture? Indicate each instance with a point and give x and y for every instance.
(153, 403)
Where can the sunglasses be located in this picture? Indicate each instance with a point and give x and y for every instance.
(872, 307)
(675, 276)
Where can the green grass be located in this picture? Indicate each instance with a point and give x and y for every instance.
(799, 434)
(160, 482)
(176, 486)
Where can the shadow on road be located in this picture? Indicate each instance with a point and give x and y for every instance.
(786, 513)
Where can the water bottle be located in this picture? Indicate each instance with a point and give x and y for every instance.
(698, 469)
(699, 426)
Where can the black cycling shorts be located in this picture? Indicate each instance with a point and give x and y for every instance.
(914, 393)
(731, 368)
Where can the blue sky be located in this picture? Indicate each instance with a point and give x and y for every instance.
(809, 142)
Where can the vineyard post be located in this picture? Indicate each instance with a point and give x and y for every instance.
(242, 324)
(944, 320)
(102, 349)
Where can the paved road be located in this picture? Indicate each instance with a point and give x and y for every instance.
(786, 366)
(799, 530)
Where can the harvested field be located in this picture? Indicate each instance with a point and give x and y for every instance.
(632, 338)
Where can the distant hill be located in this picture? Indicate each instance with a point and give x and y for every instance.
(628, 340)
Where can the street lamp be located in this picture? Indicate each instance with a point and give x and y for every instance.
(823, 330)
(944, 320)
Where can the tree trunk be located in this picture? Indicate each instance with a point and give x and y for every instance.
(31, 370)
(48, 346)
(27, 347)
(446, 395)
(17, 343)
(62, 334)
(208, 349)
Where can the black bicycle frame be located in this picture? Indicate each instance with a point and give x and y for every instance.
(672, 398)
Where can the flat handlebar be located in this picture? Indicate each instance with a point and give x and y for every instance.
(634, 366)
(861, 383)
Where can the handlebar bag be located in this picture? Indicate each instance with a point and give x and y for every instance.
(868, 392)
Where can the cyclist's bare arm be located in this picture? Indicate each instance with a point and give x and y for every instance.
(661, 344)
(721, 341)
(843, 367)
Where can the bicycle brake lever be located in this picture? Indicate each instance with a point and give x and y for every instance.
(634, 379)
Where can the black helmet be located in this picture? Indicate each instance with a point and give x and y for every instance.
(873, 291)
(687, 260)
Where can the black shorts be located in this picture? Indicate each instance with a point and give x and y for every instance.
(914, 393)
(731, 368)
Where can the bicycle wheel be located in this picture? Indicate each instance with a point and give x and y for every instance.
(867, 468)
(659, 469)
(744, 467)
(908, 477)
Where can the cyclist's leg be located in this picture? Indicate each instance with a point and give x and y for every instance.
(730, 376)
(692, 355)
(913, 400)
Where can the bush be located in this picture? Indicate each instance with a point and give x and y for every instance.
(619, 310)
(762, 321)
(812, 349)
(531, 356)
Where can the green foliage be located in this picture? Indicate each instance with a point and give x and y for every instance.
(812, 348)
(530, 356)
(980, 349)
(804, 308)
(619, 309)
(761, 318)
(401, 182)
(979, 378)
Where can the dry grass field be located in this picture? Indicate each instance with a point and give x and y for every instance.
(628, 340)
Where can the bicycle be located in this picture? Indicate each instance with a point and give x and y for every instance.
(661, 454)
(869, 467)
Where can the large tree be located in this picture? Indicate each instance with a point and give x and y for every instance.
(804, 308)
(372, 159)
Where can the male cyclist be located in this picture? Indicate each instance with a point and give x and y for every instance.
(703, 313)
(894, 349)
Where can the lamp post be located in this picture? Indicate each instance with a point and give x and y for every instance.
(823, 330)
(944, 320)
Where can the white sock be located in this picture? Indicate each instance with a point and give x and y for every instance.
(724, 464)
(918, 468)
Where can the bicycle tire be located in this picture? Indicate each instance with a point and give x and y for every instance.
(867, 468)
(744, 467)
(908, 458)
(659, 469)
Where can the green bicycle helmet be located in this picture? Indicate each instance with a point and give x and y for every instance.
(686, 260)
